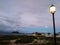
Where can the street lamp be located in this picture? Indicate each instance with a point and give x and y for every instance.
(52, 11)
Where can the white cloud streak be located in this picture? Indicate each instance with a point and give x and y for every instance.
(24, 13)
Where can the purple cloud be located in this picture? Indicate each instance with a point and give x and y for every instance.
(24, 13)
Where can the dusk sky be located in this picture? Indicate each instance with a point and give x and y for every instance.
(28, 15)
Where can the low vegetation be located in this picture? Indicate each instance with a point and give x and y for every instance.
(29, 39)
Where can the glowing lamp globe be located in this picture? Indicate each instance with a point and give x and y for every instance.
(52, 9)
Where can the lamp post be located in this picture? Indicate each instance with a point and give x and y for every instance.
(52, 11)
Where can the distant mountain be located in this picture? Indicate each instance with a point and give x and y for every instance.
(11, 33)
(4, 32)
(15, 32)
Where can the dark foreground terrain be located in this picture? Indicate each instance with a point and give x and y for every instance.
(27, 40)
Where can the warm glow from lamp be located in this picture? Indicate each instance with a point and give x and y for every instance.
(52, 9)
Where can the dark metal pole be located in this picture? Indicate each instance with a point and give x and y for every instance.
(54, 29)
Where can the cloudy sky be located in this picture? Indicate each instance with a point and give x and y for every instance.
(28, 15)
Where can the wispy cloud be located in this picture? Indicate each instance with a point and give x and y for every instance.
(25, 13)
